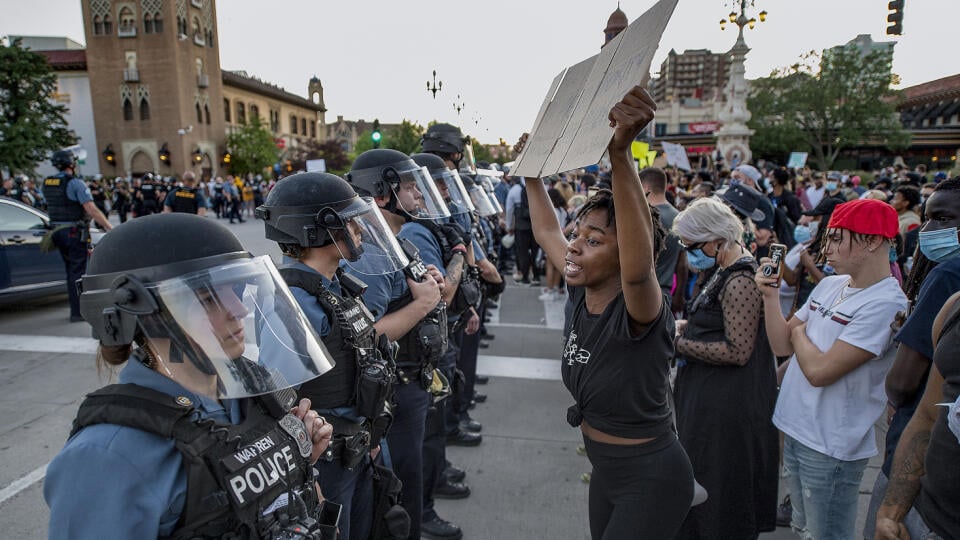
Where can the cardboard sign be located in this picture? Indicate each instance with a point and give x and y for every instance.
(676, 155)
(797, 160)
(572, 129)
(316, 165)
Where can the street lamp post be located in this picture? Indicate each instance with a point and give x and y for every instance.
(436, 87)
(733, 139)
(458, 105)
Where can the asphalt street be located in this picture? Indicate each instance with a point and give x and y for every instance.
(526, 476)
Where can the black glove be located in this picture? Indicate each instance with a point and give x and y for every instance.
(453, 234)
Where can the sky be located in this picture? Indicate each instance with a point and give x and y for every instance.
(496, 58)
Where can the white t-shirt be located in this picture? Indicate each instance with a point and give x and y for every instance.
(837, 420)
(815, 195)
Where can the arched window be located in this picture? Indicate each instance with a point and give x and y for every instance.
(199, 113)
(157, 23)
(97, 25)
(206, 113)
(107, 25)
(127, 109)
(128, 24)
(254, 112)
(226, 110)
(241, 113)
(144, 109)
(303, 126)
(293, 124)
(313, 130)
(147, 23)
(195, 28)
(181, 26)
(209, 38)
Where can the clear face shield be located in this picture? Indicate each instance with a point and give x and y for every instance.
(485, 178)
(365, 241)
(233, 331)
(451, 187)
(417, 194)
(480, 200)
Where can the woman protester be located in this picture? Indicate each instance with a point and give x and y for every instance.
(202, 437)
(620, 345)
(726, 385)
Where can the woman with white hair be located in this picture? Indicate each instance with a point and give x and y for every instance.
(726, 385)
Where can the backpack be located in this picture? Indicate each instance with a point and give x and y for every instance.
(521, 214)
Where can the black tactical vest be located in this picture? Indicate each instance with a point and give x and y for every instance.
(234, 472)
(185, 200)
(352, 342)
(59, 207)
(468, 293)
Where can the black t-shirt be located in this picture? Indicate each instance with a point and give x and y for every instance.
(939, 499)
(619, 382)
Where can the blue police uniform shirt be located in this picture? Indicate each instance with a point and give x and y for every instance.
(78, 191)
(118, 482)
(381, 288)
(423, 239)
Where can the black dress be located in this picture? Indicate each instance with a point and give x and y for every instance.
(726, 391)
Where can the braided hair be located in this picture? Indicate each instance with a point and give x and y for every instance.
(603, 200)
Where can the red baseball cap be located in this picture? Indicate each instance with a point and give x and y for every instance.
(866, 216)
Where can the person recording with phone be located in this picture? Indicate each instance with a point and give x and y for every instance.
(726, 384)
(832, 391)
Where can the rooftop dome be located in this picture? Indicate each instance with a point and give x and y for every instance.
(617, 22)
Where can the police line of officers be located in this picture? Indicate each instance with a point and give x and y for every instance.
(389, 268)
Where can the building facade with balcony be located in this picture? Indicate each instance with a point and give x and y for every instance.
(163, 104)
(694, 75)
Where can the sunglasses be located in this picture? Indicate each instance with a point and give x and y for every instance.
(693, 247)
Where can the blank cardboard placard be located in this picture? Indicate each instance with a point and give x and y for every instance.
(572, 129)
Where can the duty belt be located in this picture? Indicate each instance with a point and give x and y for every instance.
(349, 445)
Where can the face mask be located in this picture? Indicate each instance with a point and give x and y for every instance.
(699, 260)
(831, 186)
(940, 245)
(802, 234)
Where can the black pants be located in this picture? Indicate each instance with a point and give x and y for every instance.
(639, 491)
(405, 441)
(72, 244)
(526, 253)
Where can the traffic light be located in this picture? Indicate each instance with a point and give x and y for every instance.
(895, 18)
(376, 135)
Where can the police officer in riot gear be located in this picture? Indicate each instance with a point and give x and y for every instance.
(71, 207)
(186, 198)
(410, 201)
(203, 436)
(218, 198)
(319, 221)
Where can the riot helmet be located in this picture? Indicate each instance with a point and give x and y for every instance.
(202, 310)
(313, 209)
(478, 196)
(443, 139)
(62, 159)
(448, 182)
(409, 187)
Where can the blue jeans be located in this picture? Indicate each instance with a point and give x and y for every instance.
(915, 525)
(823, 491)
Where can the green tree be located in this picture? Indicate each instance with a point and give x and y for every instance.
(252, 148)
(405, 138)
(330, 151)
(32, 125)
(826, 103)
(480, 152)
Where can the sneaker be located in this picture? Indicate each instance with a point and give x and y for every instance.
(517, 276)
(784, 512)
(440, 529)
(546, 295)
(535, 282)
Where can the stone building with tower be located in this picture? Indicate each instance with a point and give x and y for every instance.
(160, 101)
